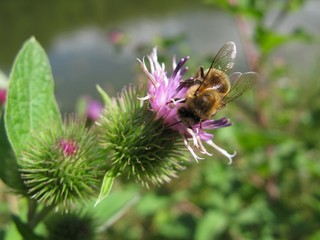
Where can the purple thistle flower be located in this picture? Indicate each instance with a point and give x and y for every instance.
(162, 90)
(94, 109)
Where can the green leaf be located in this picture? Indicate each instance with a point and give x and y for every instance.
(107, 184)
(30, 101)
(24, 229)
(211, 225)
(268, 40)
(115, 206)
(105, 97)
(9, 170)
(11, 232)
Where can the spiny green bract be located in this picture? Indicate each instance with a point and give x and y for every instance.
(138, 145)
(61, 166)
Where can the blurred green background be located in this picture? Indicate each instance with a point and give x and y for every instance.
(271, 190)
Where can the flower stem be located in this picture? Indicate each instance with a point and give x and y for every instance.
(37, 218)
(32, 204)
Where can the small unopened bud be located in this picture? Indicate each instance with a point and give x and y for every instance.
(61, 166)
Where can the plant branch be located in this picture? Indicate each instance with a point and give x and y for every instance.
(40, 216)
(32, 209)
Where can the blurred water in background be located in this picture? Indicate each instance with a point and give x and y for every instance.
(98, 42)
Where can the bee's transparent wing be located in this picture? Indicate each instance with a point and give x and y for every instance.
(225, 58)
(240, 83)
(223, 61)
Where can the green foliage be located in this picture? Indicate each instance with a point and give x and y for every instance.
(9, 173)
(30, 101)
(25, 230)
(268, 39)
(106, 186)
(266, 36)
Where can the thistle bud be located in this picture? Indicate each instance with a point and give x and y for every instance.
(139, 146)
(61, 166)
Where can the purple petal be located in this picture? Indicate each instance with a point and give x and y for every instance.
(179, 66)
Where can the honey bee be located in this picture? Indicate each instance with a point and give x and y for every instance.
(212, 89)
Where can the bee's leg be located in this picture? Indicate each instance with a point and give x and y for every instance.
(176, 100)
(200, 73)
